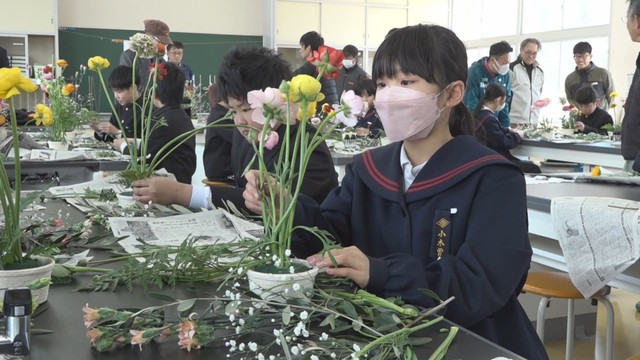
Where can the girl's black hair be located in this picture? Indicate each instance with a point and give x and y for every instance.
(247, 68)
(491, 92)
(170, 85)
(435, 54)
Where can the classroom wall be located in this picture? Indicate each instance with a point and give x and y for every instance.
(232, 17)
(622, 51)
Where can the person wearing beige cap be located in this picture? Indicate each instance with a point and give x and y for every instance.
(159, 32)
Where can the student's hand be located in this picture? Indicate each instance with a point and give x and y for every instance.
(579, 126)
(252, 193)
(161, 190)
(352, 263)
(362, 131)
(117, 144)
(107, 128)
(517, 131)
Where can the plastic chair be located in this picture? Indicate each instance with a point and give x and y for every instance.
(550, 284)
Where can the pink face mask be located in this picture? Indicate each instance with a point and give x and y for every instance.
(407, 114)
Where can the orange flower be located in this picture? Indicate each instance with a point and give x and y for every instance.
(62, 63)
(68, 89)
(161, 48)
(94, 334)
(90, 315)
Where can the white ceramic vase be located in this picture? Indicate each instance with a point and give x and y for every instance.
(279, 287)
(125, 198)
(567, 132)
(57, 145)
(548, 135)
(23, 277)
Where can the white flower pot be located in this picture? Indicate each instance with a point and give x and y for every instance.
(23, 277)
(548, 135)
(125, 198)
(57, 145)
(278, 287)
(568, 132)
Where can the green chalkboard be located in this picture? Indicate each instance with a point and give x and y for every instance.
(203, 52)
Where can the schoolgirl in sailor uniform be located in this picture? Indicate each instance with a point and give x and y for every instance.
(435, 209)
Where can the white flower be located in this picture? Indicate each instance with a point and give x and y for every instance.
(305, 333)
(253, 346)
(324, 336)
(241, 321)
(291, 270)
(276, 332)
(278, 341)
(287, 252)
(356, 347)
(251, 311)
(296, 287)
(333, 355)
(295, 350)
(272, 357)
(232, 342)
(144, 45)
(303, 315)
(315, 357)
(232, 317)
(241, 347)
(261, 357)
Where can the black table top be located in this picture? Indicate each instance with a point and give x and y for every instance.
(68, 341)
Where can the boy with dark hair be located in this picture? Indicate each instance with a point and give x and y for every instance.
(587, 73)
(592, 118)
(244, 69)
(129, 101)
(181, 162)
(492, 69)
(369, 124)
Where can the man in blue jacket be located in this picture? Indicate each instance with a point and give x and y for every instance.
(488, 70)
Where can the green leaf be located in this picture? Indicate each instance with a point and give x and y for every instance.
(286, 315)
(163, 297)
(418, 341)
(41, 331)
(231, 307)
(350, 310)
(60, 271)
(186, 306)
(329, 320)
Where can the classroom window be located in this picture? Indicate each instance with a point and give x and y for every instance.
(497, 18)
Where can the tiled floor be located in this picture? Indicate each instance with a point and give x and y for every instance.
(626, 335)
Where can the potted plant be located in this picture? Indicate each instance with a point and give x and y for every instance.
(18, 269)
(568, 121)
(274, 108)
(614, 130)
(65, 103)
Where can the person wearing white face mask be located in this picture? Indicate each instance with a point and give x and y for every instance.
(492, 69)
(491, 133)
(350, 74)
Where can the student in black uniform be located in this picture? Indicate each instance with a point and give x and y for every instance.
(433, 210)
(592, 118)
(244, 69)
(181, 162)
(490, 131)
(128, 101)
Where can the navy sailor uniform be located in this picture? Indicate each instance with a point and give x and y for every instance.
(463, 222)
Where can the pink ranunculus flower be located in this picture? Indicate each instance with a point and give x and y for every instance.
(272, 140)
(542, 102)
(264, 102)
(351, 107)
(48, 76)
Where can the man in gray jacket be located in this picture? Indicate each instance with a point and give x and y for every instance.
(350, 74)
(527, 79)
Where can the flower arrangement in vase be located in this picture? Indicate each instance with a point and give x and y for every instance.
(67, 109)
(293, 103)
(568, 120)
(143, 164)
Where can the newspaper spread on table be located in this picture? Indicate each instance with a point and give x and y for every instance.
(73, 193)
(598, 236)
(208, 227)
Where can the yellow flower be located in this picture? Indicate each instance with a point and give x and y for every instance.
(305, 87)
(596, 171)
(43, 115)
(311, 110)
(12, 81)
(62, 63)
(68, 89)
(98, 63)
(613, 95)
